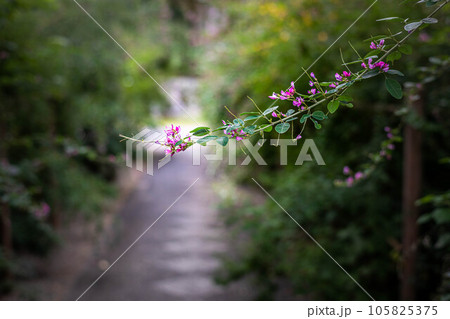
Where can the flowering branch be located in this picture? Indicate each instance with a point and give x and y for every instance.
(332, 91)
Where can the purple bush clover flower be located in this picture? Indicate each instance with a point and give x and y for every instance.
(358, 175)
(298, 102)
(346, 170)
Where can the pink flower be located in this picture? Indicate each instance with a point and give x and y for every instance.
(42, 211)
(387, 129)
(238, 138)
(359, 175)
(346, 170)
(338, 77)
(374, 46)
(389, 135)
(332, 85)
(274, 114)
(312, 75)
(364, 65)
(298, 101)
(292, 88)
(311, 83)
(347, 74)
(172, 138)
(349, 181)
(424, 37)
(298, 137)
(312, 91)
(382, 153)
(273, 96)
(391, 146)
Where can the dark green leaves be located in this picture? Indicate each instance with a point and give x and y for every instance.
(394, 88)
(373, 53)
(345, 98)
(304, 118)
(268, 129)
(317, 125)
(319, 115)
(405, 49)
(396, 55)
(395, 72)
(282, 127)
(370, 74)
(333, 106)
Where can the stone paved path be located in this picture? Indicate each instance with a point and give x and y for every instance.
(177, 258)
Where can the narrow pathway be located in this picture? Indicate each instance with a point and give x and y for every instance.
(177, 258)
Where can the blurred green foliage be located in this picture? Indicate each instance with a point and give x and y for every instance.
(265, 47)
(66, 92)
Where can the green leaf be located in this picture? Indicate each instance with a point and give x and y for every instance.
(319, 115)
(412, 26)
(395, 72)
(333, 106)
(304, 118)
(429, 20)
(268, 129)
(349, 105)
(206, 139)
(252, 117)
(249, 129)
(345, 98)
(199, 128)
(396, 55)
(291, 119)
(220, 128)
(431, 2)
(394, 88)
(372, 53)
(405, 49)
(238, 122)
(289, 112)
(441, 215)
(201, 132)
(282, 127)
(223, 140)
(248, 113)
(390, 18)
(270, 110)
(316, 125)
(370, 74)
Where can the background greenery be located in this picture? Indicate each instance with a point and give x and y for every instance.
(67, 91)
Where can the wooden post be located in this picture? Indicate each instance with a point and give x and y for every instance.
(412, 180)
